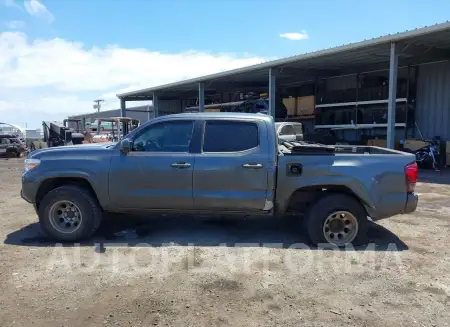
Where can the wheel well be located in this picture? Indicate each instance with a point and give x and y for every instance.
(304, 196)
(53, 183)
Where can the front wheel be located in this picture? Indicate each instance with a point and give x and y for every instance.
(336, 219)
(69, 213)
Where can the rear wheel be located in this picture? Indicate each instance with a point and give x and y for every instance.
(69, 213)
(336, 219)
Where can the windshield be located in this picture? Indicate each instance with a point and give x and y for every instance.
(298, 129)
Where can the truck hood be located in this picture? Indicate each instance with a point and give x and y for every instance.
(73, 149)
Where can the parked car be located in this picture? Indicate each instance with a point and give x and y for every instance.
(11, 146)
(289, 131)
(219, 163)
(104, 125)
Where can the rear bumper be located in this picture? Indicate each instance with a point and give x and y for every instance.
(394, 204)
(412, 200)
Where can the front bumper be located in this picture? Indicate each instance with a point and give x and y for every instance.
(412, 200)
(30, 187)
(23, 196)
(26, 199)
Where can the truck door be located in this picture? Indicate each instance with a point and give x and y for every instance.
(157, 173)
(231, 170)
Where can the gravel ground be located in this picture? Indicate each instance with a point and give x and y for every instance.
(164, 271)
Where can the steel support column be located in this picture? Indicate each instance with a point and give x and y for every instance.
(155, 105)
(201, 97)
(272, 92)
(392, 101)
(123, 107)
(123, 113)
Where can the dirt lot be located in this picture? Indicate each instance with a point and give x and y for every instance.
(194, 272)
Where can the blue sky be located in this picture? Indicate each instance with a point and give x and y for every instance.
(56, 56)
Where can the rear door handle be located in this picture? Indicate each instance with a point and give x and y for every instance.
(252, 166)
(180, 165)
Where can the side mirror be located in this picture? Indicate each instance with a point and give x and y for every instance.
(125, 146)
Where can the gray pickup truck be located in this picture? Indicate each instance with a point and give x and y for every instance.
(219, 163)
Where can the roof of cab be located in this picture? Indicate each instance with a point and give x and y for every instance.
(206, 115)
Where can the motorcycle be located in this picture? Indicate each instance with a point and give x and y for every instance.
(427, 156)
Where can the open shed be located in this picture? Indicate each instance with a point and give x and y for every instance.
(391, 84)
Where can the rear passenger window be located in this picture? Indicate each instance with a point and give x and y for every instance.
(229, 136)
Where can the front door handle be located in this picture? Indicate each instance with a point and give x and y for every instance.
(180, 165)
(252, 166)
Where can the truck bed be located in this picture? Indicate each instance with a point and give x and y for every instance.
(310, 148)
(376, 175)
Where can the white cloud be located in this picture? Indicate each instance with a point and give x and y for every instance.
(15, 24)
(43, 78)
(10, 3)
(37, 9)
(303, 35)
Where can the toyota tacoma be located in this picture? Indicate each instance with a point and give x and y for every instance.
(219, 163)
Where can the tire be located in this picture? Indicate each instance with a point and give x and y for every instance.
(11, 154)
(88, 207)
(334, 206)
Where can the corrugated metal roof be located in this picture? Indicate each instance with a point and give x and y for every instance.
(109, 111)
(365, 52)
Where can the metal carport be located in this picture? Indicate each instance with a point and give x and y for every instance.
(422, 45)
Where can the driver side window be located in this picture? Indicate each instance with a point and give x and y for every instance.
(171, 136)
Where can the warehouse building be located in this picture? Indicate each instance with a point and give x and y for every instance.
(141, 113)
(394, 87)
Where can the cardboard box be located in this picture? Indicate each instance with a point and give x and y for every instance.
(306, 105)
(290, 104)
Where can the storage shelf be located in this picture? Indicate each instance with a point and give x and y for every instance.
(361, 103)
(359, 126)
(303, 117)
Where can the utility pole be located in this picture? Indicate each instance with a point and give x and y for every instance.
(97, 104)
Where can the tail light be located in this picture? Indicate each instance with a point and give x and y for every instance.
(411, 172)
(22, 145)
